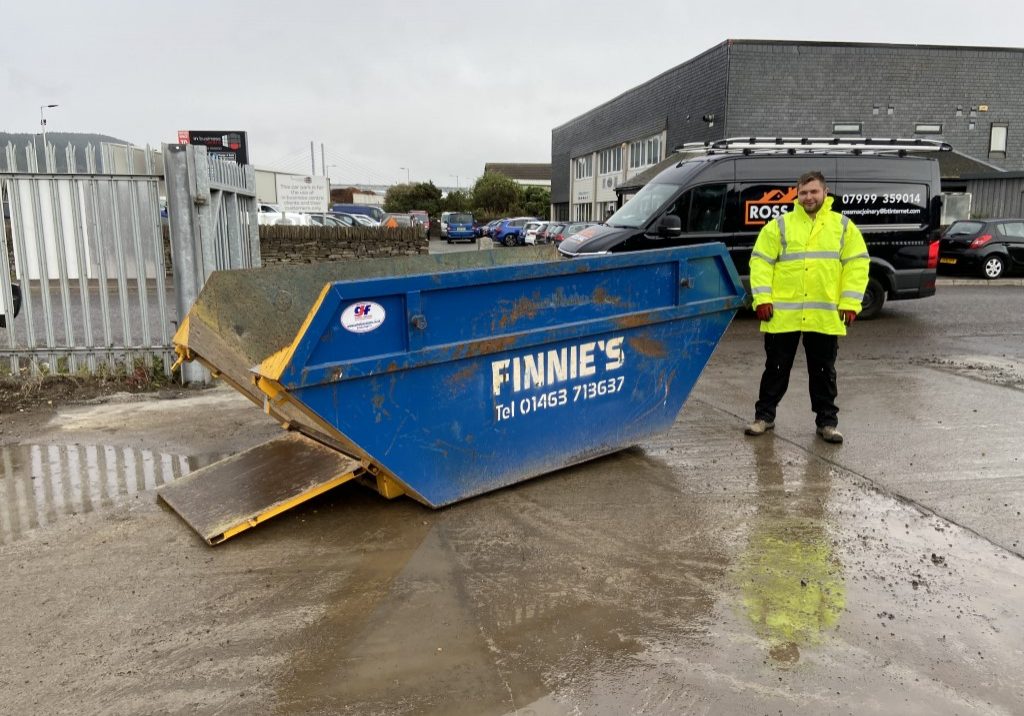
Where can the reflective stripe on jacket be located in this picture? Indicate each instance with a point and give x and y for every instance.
(809, 270)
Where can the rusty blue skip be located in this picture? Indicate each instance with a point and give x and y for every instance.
(461, 376)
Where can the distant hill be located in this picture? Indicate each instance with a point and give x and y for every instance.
(80, 140)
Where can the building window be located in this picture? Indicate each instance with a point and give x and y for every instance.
(928, 129)
(890, 110)
(610, 160)
(585, 166)
(644, 152)
(583, 212)
(997, 140)
(654, 150)
(959, 110)
(874, 110)
(636, 154)
(846, 128)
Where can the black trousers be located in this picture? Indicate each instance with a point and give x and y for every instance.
(780, 350)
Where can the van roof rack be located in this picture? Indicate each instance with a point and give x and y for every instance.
(816, 145)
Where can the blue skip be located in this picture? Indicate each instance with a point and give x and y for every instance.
(449, 382)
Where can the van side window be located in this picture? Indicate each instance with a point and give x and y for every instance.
(706, 208)
(681, 208)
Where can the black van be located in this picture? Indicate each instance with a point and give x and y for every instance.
(729, 194)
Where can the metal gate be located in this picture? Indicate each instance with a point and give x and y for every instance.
(87, 254)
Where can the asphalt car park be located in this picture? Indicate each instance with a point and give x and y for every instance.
(699, 572)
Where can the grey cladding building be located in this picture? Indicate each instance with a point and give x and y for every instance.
(971, 97)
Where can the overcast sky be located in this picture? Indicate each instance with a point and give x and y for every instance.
(439, 88)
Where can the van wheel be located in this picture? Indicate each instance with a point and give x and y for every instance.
(874, 299)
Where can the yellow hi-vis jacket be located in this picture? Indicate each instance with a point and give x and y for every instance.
(809, 270)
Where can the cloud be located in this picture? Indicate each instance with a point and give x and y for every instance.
(440, 87)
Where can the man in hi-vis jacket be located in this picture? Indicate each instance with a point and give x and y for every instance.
(808, 273)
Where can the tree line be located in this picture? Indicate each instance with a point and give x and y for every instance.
(492, 196)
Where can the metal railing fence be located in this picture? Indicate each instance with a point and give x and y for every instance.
(100, 269)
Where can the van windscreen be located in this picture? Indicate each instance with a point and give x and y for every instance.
(639, 210)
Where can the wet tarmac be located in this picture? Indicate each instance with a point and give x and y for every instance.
(702, 572)
(43, 483)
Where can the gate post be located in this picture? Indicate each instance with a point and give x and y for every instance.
(190, 268)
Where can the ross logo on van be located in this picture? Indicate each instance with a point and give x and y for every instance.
(757, 212)
(362, 317)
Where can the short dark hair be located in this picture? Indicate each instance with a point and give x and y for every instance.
(811, 176)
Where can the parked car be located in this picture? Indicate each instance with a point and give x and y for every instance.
(374, 212)
(342, 220)
(365, 220)
(460, 227)
(394, 221)
(530, 231)
(272, 215)
(353, 219)
(990, 248)
(545, 235)
(509, 232)
(489, 228)
(14, 309)
(444, 223)
(421, 217)
(321, 220)
(570, 229)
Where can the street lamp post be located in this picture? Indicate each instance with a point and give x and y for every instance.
(42, 122)
(457, 187)
(407, 180)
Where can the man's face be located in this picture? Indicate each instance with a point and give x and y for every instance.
(811, 195)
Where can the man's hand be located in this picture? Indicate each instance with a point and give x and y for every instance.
(848, 316)
(765, 311)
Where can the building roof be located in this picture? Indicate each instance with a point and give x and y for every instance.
(994, 175)
(523, 172)
(795, 43)
(638, 181)
(955, 165)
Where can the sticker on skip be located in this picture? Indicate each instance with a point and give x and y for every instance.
(363, 317)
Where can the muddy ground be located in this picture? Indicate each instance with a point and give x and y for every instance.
(700, 572)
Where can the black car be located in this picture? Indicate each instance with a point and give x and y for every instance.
(990, 248)
(15, 305)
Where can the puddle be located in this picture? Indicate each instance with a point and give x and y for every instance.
(39, 484)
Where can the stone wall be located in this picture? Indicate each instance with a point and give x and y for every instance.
(313, 244)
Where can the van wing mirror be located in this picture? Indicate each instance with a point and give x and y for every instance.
(670, 226)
